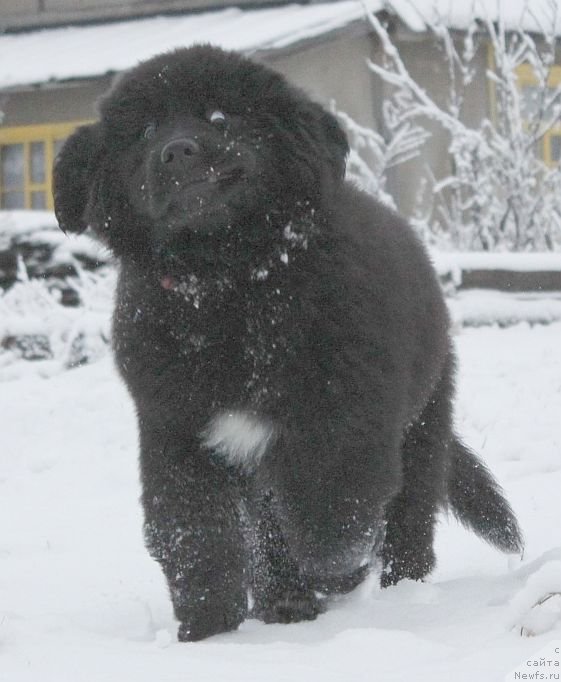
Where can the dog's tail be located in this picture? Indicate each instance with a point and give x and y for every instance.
(477, 501)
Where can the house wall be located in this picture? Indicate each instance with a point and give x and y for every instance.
(427, 65)
(334, 71)
(328, 70)
(73, 101)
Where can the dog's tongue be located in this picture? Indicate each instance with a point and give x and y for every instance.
(168, 282)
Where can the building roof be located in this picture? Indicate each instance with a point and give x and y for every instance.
(57, 54)
(534, 16)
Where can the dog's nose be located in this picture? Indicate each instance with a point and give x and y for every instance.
(178, 150)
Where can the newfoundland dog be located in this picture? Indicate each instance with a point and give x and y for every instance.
(284, 339)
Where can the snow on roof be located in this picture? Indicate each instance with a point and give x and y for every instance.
(536, 16)
(55, 54)
(85, 51)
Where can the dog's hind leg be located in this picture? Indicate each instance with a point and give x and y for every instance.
(407, 551)
(281, 594)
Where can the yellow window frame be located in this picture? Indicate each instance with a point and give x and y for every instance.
(527, 78)
(49, 134)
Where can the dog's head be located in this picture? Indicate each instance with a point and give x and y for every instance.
(196, 141)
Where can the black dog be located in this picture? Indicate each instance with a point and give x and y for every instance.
(284, 339)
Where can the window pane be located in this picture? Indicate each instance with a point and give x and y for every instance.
(555, 141)
(531, 101)
(11, 165)
(38, 200)
(13, 200)
(37, 162)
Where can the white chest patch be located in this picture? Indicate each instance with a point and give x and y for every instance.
(240, 438)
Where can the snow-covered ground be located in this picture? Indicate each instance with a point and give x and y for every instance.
(81, 601)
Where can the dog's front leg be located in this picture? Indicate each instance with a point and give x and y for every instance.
(193, 529)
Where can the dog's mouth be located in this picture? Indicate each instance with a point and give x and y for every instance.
(174, 203)
(217, 177)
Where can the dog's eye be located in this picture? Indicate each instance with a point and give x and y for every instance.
(149, 131)
(218, 119)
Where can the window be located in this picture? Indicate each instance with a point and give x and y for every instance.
(26, 159)
(551, 142)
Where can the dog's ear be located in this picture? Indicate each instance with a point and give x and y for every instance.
(337, 145)
(322, 139)
(74, 177)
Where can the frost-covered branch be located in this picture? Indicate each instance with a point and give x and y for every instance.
(371, 155)
(56, 296)
(414, 99)
(500, 193)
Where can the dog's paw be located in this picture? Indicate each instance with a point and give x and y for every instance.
(413, 568)
(203, 627)
(292, 607)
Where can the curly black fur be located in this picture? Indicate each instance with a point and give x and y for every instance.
(284, 339)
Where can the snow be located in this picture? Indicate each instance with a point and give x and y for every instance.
(42, 227)
(496, 260)
(16, 223)
(482, 307)
(539, 603)
(80, 599)
(71, 334)
(74, 51)
(533, 15)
